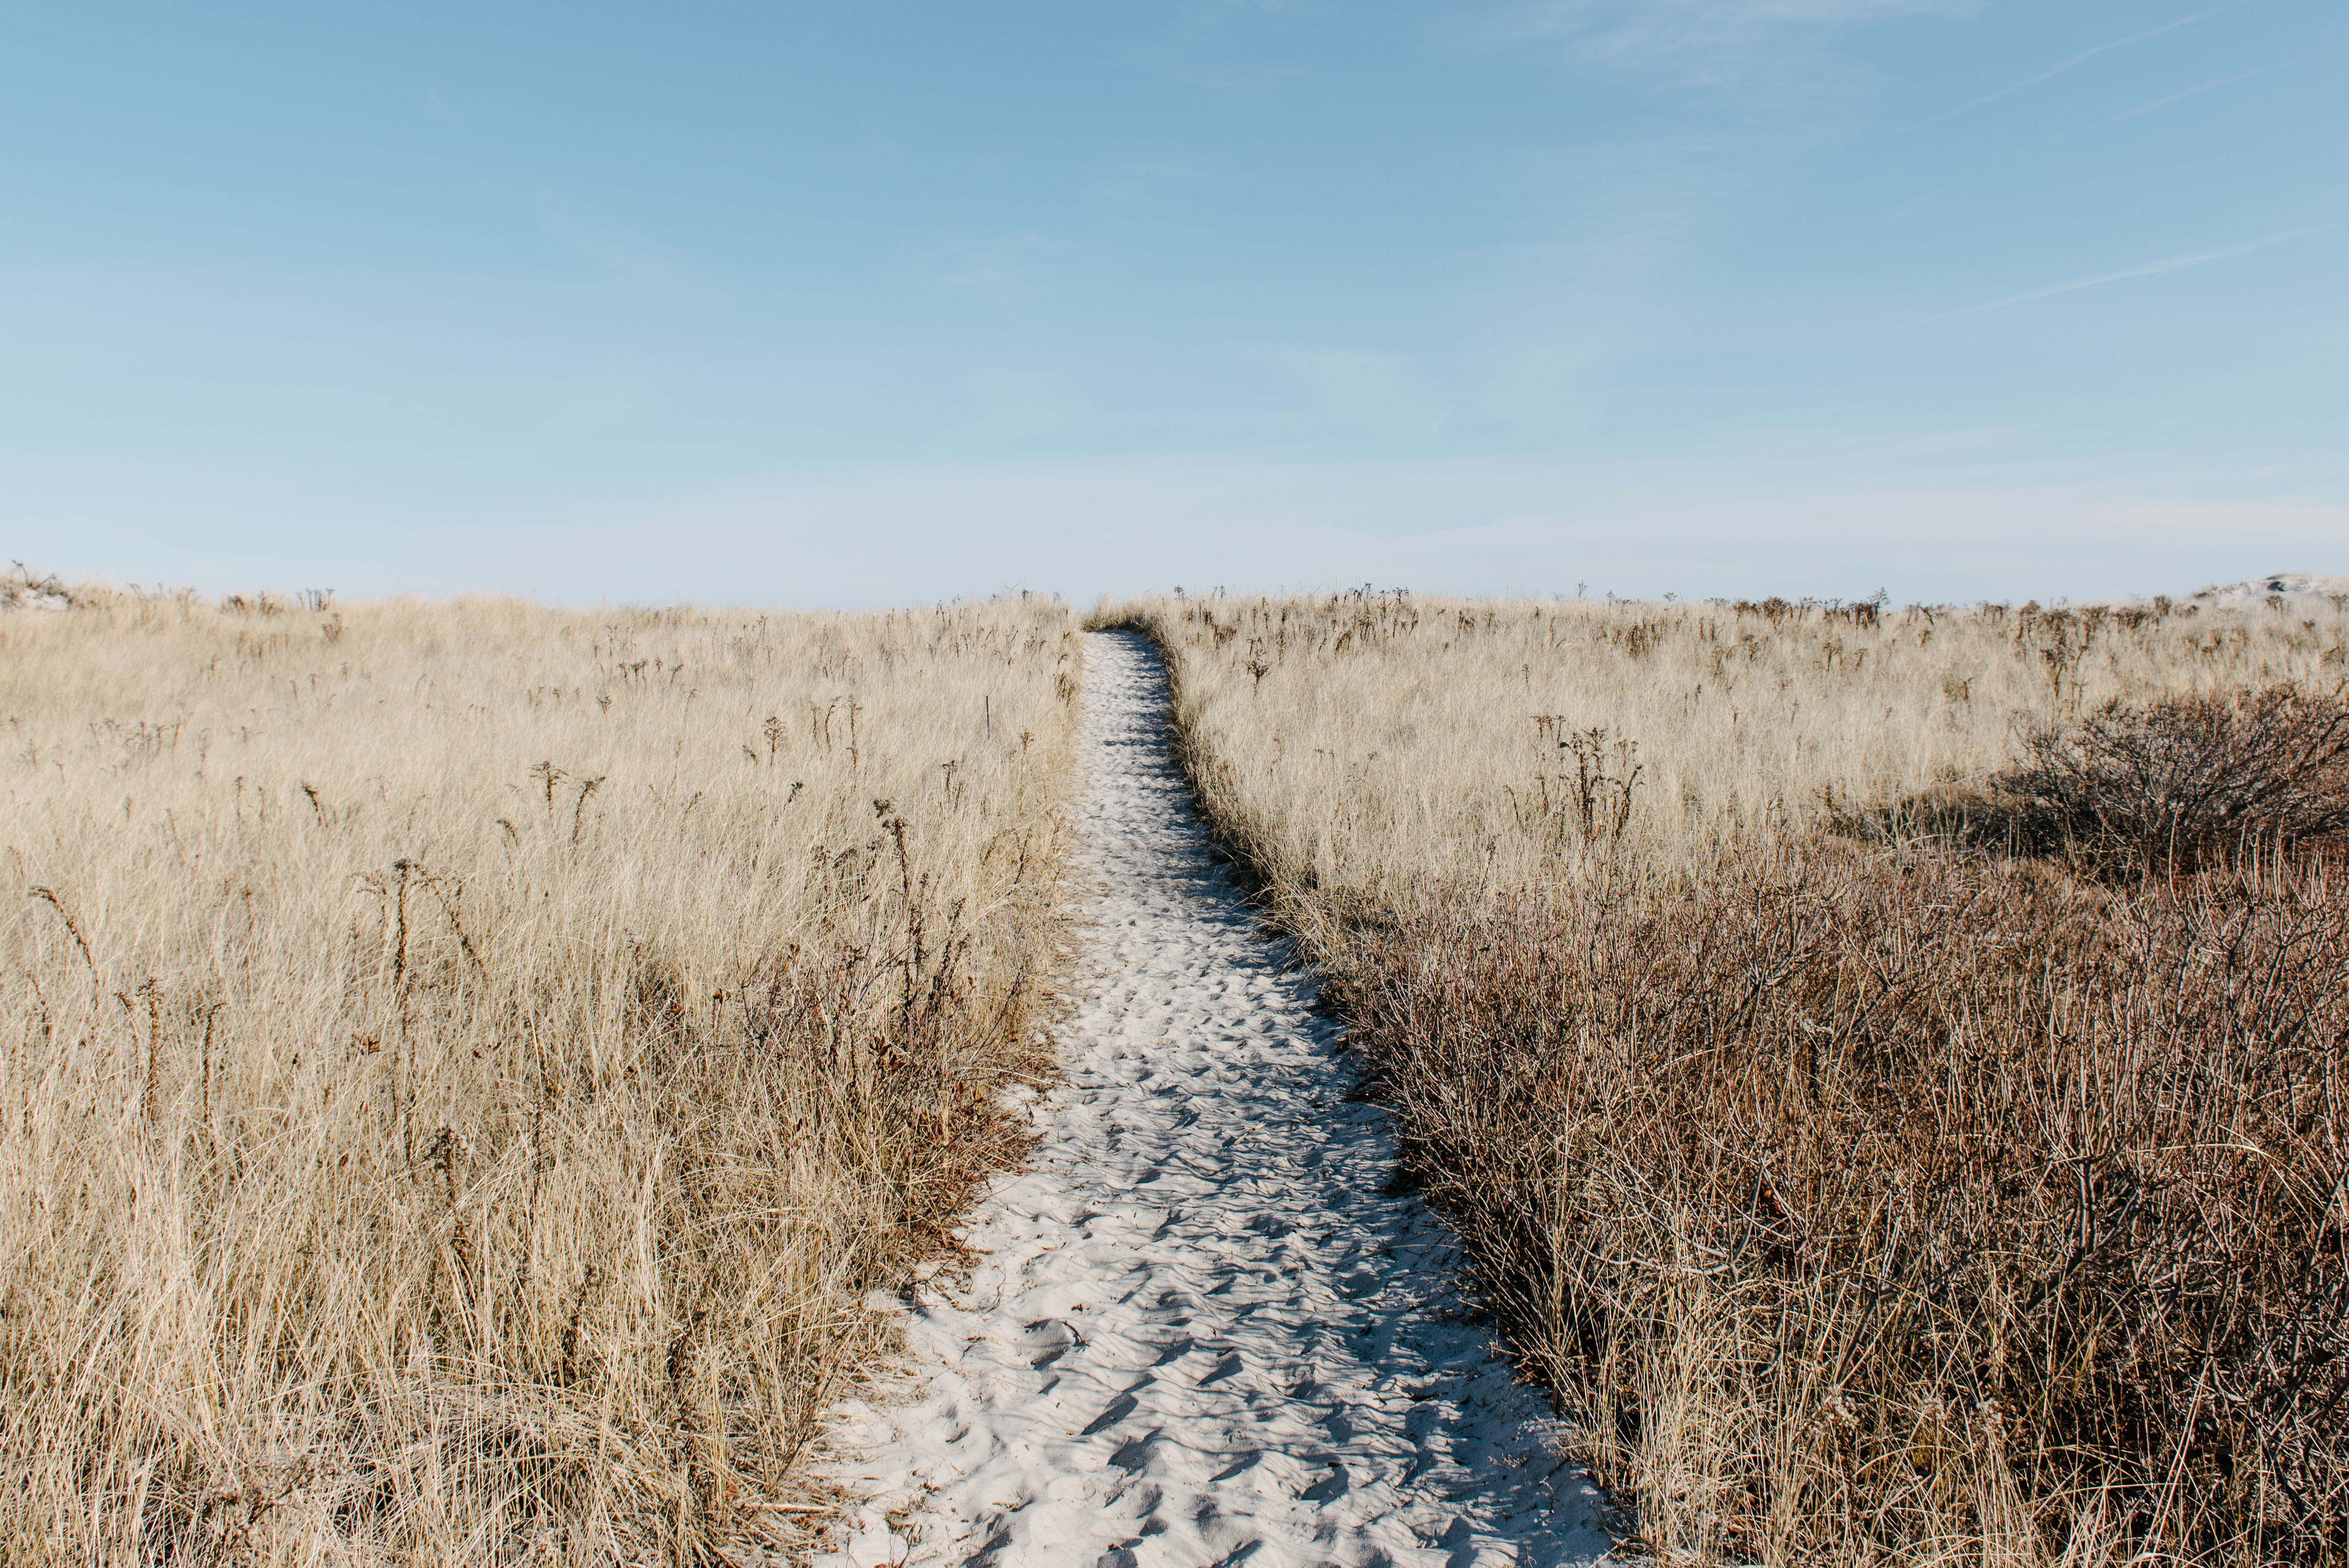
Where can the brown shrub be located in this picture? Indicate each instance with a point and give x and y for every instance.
(2172, 785)
(1866, 1204)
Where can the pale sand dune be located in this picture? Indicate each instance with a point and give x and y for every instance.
(20, 590)
(1202, 1330)
(2299, 590)
(2292, 587)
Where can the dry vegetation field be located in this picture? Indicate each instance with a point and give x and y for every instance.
(460, 1064)
(1886, 1064)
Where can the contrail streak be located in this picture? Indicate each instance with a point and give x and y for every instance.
(2146, 108)
(2061, 65)
(2142, 270)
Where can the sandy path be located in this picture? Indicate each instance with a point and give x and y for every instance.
(1203, 1332)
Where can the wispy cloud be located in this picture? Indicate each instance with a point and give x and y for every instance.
(1833, 519)
(1777, 71)
(437, 110)
(2057, 69)
(1244, 78)
(1143, 182)
(1354, 390)
(2142, 270)
(1006, 409)
(1635, 30)
(1709, 43)
(2162, 103)
(997, 269)
(625, 258)
(598, 400)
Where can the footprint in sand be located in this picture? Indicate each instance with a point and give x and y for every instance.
(1206, 1331)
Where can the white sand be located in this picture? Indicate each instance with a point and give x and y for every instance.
(2300, 591)
(2294, 588)
(1203, 1331)
(18, 595)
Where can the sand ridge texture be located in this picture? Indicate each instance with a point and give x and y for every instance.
(1203, 1330)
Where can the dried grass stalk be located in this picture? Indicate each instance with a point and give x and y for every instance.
(463, 1064)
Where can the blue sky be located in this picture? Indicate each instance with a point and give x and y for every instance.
(842, 305)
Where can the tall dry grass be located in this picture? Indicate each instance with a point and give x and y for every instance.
(1882, 1167)
(461, 1065)
(1383, 743)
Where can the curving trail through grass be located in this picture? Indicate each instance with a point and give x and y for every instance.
(1204, 1329)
